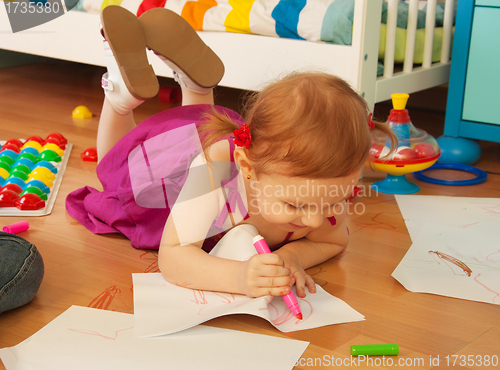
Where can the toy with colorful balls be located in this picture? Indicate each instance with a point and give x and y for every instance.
(416, 151)
(28, 169)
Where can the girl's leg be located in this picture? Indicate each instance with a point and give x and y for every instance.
(190, 98)
(112, 127)
(116, 116)
(129, 80)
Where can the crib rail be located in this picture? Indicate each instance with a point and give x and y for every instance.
(408, 65)
(415, 77)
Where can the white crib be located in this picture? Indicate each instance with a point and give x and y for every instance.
(253, 60)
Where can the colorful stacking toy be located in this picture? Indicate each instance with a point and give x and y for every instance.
(417, 150)
(28, 169)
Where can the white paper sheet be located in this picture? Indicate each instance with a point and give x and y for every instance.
(85, 338)
(162, 308)
(461, 212)
(454, 261)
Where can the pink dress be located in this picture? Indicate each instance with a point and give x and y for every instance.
(115, 209)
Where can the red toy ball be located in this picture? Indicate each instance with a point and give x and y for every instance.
(16, 142)
(53, 140)
(36, 138)
(170, 94)
(89, 155)
(10, 146)
(30, 202)
(424, 150)
(405, 155)
(8, 198)
(58, 136)
(375, 150)
(14, 187)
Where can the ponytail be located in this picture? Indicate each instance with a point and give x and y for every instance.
(215, 127)
(385, 130)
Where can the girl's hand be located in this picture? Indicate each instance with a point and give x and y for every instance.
(301, 281)
(265, 274)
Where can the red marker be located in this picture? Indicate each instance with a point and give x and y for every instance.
(290, 300)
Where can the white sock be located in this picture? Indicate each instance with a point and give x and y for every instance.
(114, 87)
(183, 80)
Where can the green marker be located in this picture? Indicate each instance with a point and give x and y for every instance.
(390, 349)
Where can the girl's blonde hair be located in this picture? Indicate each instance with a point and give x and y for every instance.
(309, 125)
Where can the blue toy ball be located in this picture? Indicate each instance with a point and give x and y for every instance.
(458, 150)
(39, 184)
(17, 181)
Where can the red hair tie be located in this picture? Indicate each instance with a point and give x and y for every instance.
(242, 136)
(371, 125)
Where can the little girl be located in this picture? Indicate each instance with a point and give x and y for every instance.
(183, 177)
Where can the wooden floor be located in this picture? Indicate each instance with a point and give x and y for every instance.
(95, 271)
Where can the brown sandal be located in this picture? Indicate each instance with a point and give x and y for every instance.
(125, 37)
(170, 35)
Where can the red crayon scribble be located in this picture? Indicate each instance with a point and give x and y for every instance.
(447, 258)
(287, 315)
(103, 300)
(377, 222)
(488, 257)
(490, 208)
(464, 226)
(151, 256)
(201, 295)
(92, 332)
(283, 318)
(497, 294)
(201, 298)
(225, 299)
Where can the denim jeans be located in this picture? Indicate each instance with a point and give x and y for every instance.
(21, 271)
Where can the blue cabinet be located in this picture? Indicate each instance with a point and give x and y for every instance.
(473, 107)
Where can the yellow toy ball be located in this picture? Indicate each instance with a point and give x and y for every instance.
(82, 112)
(32, 144)
(4, 173)
(44, 171)
(41, 177)
(53, 147)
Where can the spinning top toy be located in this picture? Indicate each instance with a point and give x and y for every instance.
(416, 151)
